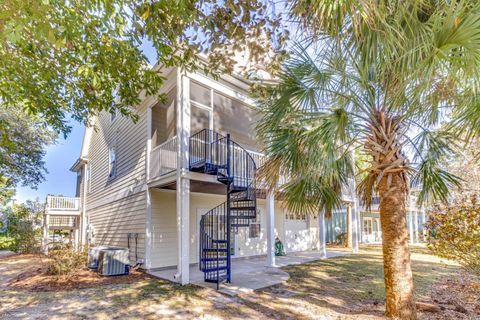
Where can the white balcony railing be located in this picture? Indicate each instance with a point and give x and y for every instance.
(63, 221)
(163, 158)
(63, 203)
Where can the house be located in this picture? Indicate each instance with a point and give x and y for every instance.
(369, 222)
(177, 187)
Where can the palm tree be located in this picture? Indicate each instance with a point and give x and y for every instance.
(396, 81)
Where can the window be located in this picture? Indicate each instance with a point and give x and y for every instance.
(234, 117)
(299, 216)
(367, 226)
(113, 115)
(200, 94)
(112, 162)
(199, 119)
(254, 230)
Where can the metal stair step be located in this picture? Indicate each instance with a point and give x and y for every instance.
(243, 217)
(214, 250)
(213, 259)
(243, 208)
(215, 269)
(222, 279)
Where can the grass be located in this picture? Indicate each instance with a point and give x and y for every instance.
(360, 277)
(344, 287)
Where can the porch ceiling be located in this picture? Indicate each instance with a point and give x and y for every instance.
(201, 187)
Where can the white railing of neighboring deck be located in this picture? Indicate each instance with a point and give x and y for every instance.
(63, 203)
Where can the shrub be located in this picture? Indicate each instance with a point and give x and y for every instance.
(454, 233)
(66, 260)
(23, 227)
(6, 242)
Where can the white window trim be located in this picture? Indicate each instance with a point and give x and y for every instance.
(259, 230)
(114, 116)
(256, 221)
(367, 221)
(226, 90)
(112, 165)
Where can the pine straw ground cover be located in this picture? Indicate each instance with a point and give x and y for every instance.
(348, 287)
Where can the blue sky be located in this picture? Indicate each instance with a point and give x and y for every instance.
(59, 158)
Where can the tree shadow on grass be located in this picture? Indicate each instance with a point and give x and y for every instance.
(354, 284)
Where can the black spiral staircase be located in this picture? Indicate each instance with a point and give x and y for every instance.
(215, 154)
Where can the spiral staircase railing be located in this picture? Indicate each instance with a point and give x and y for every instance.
(215, 154)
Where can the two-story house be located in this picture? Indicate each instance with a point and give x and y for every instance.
(178, 187)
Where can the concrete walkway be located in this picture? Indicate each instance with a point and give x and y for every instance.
(250, 274)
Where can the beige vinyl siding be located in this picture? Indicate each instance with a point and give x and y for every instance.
(164, 228)
(114, 221)
(117, 206)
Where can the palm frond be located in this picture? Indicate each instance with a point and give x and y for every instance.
(435, 147)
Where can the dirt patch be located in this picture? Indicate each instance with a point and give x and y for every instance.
(37, 280)
(457, 296)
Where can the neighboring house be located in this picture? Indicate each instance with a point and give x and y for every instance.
(166, 185)
(370, 228)
(370, 221)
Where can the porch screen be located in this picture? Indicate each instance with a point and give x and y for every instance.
(234, 117)
(200, 94)
(199, 119)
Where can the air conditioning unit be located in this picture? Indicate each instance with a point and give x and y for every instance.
(113, 261)
(93, 256)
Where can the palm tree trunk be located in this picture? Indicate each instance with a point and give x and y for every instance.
(400, 301)
(389, 168)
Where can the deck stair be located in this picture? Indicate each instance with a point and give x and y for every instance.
(215, 154)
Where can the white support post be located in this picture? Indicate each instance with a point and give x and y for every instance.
(270, 229)
(148, 217)
(46, 220)
(77, 238)
(358, 217)
(183, 183)
(410, 226)
(355, 224)
(410, 218)
(424, 220)
(415, 225)
(148, 231)
(83, 217)
(322, 235)
(349, 226)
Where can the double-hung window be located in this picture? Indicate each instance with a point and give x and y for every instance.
(112, 162)
(255, 226)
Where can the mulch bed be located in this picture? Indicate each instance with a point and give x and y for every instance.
(38, 281)
(458, 296)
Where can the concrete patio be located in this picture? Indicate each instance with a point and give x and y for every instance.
(250, 274)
